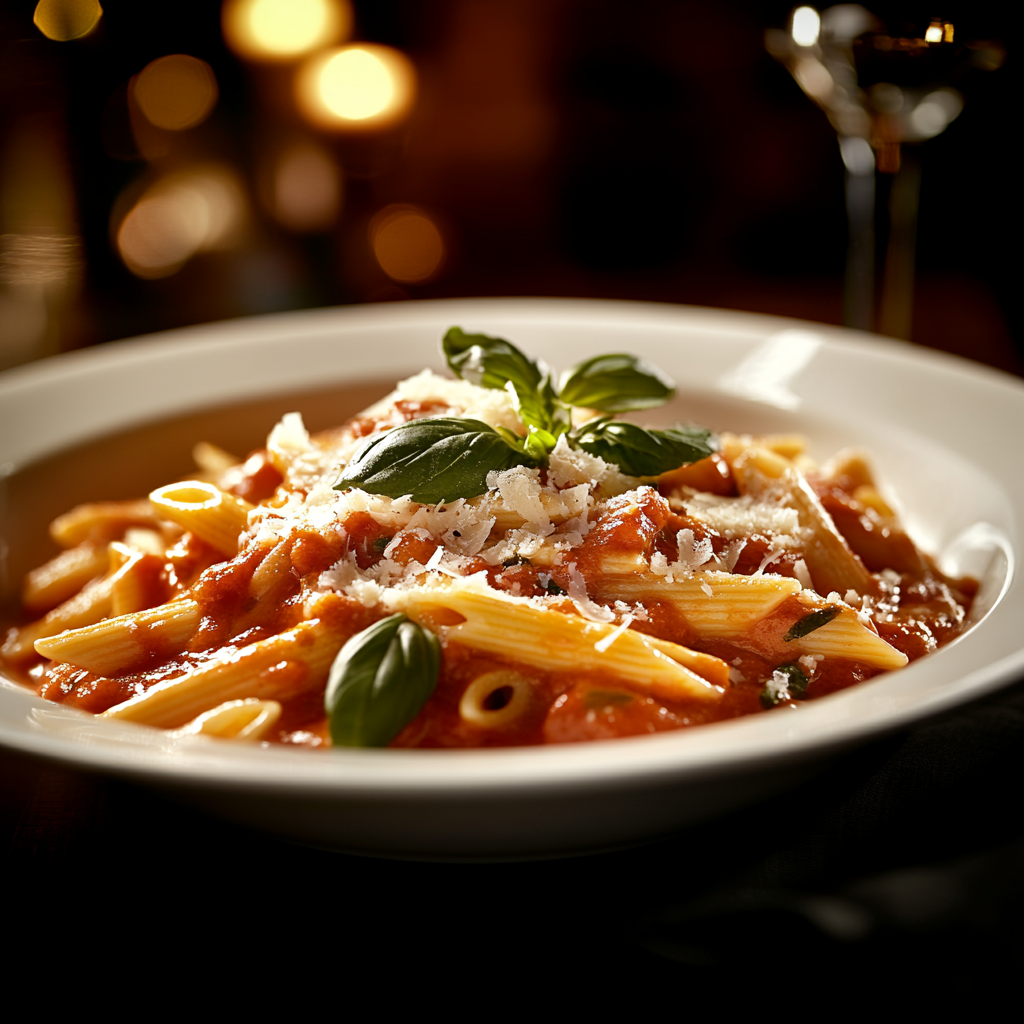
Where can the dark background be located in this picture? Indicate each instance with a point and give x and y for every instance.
(650, 150)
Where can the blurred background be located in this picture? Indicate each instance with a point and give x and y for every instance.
(165, 164)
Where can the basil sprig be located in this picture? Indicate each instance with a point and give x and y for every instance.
(443, 458)
(615, 383)
(379, 681)
(641, 452)
(497, 364)
(436, 459)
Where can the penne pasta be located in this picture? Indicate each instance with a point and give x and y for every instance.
(88, 606)
(213, 515)
(278, 668)
(100, 522)
(251, 719)
(443, 572)
(847, 637)
(519, 631)
(63, 576)
(714, 604)
(117, 644)
(833, 566)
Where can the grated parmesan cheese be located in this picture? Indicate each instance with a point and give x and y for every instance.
(569, 466)
(459, 396)
(577, 592)
(740, 517)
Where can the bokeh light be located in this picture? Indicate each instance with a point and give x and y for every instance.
(805, 26)
(176, 92)
(63, 20)
(179, 216)
(408, 244)
(306, 189)
(284, 29)
(357, 87)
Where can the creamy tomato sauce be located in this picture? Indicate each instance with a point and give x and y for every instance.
(325, 568)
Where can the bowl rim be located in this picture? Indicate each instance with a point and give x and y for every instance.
(36, 727)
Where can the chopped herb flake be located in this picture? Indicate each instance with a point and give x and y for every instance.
(809, 623)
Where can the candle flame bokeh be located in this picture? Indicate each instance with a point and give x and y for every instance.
(283, 30)
(180, 215)
(176, 92)
(64, 20)
(407, 243)
(358, 87)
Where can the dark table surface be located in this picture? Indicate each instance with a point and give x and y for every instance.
(896, 874)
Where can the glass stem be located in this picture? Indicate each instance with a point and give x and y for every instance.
(859, 297)
(896, 314)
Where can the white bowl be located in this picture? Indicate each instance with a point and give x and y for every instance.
(944, 434)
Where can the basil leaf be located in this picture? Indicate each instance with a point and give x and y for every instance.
(809, 623)
(489, 362)
(436, 459)
(497, 364)
(641, 452)
(616, 383)
(379, 681)
(794, 685)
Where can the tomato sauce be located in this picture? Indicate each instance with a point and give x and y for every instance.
(271, 584)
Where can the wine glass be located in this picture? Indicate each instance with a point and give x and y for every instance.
(884, 90)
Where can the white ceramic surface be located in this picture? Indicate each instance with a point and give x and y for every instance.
(944, 434)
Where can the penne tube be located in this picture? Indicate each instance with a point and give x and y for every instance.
(89, 605)
(272, 572)
(868, 496)
(714, 604)
(274, 669)
(63, 576)
(518, 691)
(149, 541)
(847, 637)
(250, 719)
(540, 637)
(833, 566)
(212, 460)
(213, 515)
(756, 460)
(120, 643)
(850, 465)
(101, 521)
(789, 446)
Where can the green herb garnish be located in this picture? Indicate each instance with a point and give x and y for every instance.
(794, 686)
(443, 458)
(497, 364)
(616, 383)
(641, 452)
(436, 459)
(809, 623)
(379, 681)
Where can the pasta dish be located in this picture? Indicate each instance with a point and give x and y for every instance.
(492, 560)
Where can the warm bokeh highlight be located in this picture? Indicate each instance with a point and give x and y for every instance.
(64, 20)
(284, 29)
(176, 92)
(408, 244)
(179, 216)
(358, 87)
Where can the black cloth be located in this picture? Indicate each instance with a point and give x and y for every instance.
(895, 874)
